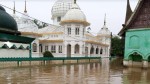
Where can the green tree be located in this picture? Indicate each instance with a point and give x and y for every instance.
(117, 46)
(47, 54)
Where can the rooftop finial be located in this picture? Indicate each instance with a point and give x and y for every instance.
(25, 11)
(128, 12)
(105, 19)
(14, 10)
(75, 1)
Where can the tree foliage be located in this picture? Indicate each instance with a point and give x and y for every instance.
(117, 46)
(47, 54)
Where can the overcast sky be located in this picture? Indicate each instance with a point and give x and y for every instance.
(93, 9)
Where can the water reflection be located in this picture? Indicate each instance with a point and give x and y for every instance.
(105, 72)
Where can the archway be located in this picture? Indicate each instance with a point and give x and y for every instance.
(149, 59)
(92, 50)
(97, 50)
(101, 51)
(77, 49)
(40, 48)
(136, 57)
(68, 50)
(34, 47)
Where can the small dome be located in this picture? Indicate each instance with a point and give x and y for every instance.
(104, 31)
(75, 15)
(7, 21)
(61, 7)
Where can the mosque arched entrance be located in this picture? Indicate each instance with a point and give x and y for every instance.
(68, 50)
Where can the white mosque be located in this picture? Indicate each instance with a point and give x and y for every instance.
(68, 35)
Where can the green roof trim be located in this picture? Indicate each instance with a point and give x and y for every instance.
(13, 47)
(5, 46)
(21, 47)
(15, 38)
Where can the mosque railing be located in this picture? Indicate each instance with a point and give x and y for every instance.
(47, 58)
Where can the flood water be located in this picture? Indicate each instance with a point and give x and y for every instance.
(104, 72)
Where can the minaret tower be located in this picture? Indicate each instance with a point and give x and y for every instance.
(25, 10)
(75, 1)
(25, 15)
(105, 20)
(105, 36)
(14, 10)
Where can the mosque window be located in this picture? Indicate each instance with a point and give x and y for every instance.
(34, 47)
(97, 50)
(46, 48)
(53, 49)
(58, 19)
(92, 50)
(69, 31)
(60, 48)
(77, 31)
(77, 49)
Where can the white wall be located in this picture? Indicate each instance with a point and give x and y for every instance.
(7, 53)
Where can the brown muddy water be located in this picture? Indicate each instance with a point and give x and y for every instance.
(104, 72)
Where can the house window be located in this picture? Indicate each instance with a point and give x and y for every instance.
(69, 31)
(58, 19)
(53, 49)
(46, 48)
(77, 31)
(34, 46)
(60, 49)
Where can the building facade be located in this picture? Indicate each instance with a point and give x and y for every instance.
(68, 35)
(12, 44)
(136, 33)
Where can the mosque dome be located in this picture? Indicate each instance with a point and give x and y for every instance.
(6, 21)
(61, 7)
(75, 15)
(104, 31)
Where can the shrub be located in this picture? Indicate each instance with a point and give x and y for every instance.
(47, 54)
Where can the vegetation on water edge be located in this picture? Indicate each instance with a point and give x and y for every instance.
(47, 54)
(117, 46)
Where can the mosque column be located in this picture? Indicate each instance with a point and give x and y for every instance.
(94, 51)
(108, 51)
(89, 48)
(81, 50)
(72, 50)
(145, 64)
(57, 48)
(65, 51)
(104, 53)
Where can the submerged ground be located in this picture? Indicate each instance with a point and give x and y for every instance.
(104, 72)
